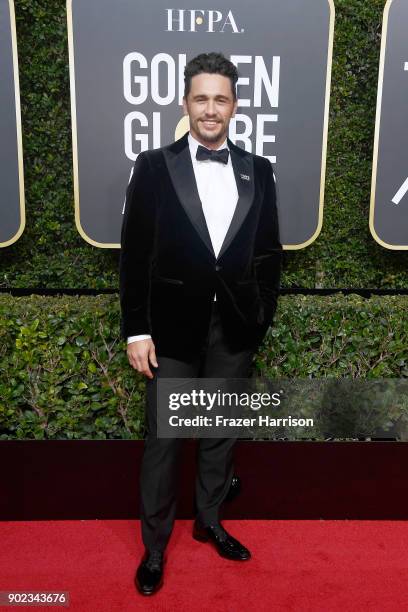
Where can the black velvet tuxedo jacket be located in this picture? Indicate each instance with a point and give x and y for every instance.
(168, 270)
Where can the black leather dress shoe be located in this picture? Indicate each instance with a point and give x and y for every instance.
(225, 544)
(149, 575)
(234, 490)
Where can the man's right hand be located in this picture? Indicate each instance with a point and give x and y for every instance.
(141, 353)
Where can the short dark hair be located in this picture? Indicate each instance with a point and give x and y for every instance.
(212, 63)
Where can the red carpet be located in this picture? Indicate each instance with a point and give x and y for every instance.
(296, 565)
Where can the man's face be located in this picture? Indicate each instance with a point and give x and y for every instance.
(210, 106)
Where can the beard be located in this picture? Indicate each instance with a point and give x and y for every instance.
(209, 135)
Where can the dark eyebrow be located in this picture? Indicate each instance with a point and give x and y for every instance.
(218, 97)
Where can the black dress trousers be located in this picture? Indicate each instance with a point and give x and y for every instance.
(159, 470)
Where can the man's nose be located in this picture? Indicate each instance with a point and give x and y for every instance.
(210, 109)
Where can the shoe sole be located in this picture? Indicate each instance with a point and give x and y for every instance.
(147, 593)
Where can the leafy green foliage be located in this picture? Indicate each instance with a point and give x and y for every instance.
(64, 372)
(337, 336)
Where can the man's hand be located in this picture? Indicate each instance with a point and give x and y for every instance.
(140, 353)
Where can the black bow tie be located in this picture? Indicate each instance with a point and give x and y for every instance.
(218, 156)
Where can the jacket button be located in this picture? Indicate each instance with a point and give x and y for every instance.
(218, 268)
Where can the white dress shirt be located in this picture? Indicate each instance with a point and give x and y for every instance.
(219, 196)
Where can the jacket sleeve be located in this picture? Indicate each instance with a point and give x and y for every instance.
(268, 249)
(137, 249)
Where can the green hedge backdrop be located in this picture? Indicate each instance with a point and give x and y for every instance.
(64, 373)
(51, 253)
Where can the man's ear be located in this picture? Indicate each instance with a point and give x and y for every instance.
(235, 108)
(185, 109)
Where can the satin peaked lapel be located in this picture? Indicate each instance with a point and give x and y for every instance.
(244, 177)
(180, 167)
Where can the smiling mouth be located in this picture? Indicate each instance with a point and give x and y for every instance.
(209, 123)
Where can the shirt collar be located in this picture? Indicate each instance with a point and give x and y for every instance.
(193, 144)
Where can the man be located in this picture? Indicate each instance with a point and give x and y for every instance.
(199, 280)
